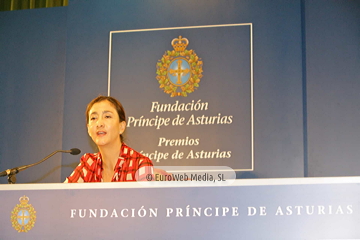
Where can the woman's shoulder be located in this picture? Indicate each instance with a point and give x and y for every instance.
(87, 156)
(131, 152)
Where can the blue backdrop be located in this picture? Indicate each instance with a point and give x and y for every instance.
(306, 79)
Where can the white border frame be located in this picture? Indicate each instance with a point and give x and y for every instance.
(206, 26)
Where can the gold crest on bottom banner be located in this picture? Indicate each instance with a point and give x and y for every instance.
(23, 216)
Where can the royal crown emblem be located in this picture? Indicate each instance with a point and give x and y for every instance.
(179, 71)
(23, 216)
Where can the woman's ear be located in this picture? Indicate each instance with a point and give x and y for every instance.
(88, 129)
(122, 127)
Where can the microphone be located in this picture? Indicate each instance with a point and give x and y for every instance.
(9, 172)
(73, 151)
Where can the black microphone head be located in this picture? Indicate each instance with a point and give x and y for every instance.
(75, 151)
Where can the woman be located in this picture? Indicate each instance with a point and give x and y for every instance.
(115, 161)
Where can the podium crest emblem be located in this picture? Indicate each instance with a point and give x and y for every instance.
(179, 71)
(23, 216)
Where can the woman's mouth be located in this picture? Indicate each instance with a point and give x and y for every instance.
(100, 133)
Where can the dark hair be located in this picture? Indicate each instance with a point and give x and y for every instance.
(118, 106)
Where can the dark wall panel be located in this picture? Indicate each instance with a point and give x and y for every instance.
(333, 84)
(32, 51)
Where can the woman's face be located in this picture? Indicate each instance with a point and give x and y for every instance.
(104, 127)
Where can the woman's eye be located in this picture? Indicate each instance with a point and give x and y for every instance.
(108, 116)
(92, 118)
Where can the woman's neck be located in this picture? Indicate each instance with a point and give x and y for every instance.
(110, 155)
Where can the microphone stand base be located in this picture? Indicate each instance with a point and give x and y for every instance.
(12, 178)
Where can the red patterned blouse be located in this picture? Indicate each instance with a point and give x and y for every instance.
(131, 166)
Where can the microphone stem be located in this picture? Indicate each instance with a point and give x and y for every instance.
(13, 171)
(34, 164)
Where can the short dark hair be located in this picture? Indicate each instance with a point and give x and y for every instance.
(116, 103)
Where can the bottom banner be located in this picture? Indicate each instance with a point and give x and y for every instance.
(311, 208)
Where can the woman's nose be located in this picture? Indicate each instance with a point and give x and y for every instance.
(100, 123)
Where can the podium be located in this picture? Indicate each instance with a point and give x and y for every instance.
(289, 208)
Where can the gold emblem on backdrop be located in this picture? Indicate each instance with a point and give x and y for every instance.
(23, 216)
(179, 71)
